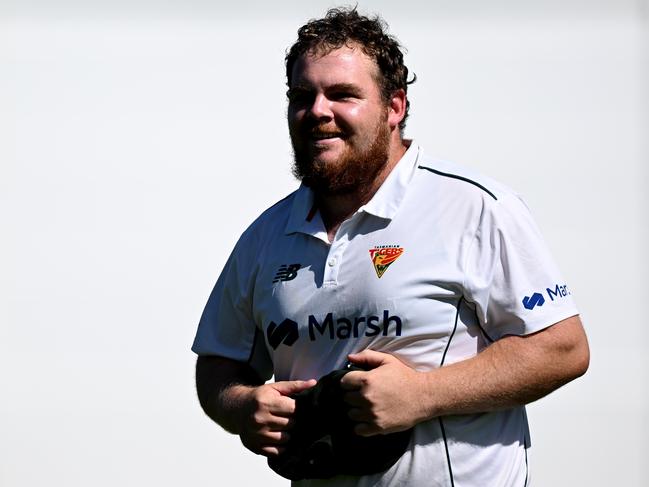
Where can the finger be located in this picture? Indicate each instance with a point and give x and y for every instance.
(353, 380)
(271, 450)
(279, 423)
(282, 406)
(274, 437)
(289, 387)
(365, 429)
(369, 359)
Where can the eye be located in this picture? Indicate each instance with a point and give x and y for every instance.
(342, 95)
(298, 96)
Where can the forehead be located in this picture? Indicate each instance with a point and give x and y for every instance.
(349, 65)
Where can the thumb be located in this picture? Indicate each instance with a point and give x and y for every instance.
(288, 387)
(369, 359)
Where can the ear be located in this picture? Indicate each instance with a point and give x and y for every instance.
(396, 108)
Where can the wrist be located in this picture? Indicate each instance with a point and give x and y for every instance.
(232, 405)
(429, 395)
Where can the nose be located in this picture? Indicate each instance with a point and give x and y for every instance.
(321, 107)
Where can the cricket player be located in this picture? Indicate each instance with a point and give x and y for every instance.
(432, 278)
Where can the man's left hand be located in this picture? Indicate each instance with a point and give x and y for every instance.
(386, 398)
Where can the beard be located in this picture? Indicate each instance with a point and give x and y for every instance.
(354, 171)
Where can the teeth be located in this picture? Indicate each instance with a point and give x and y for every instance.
(324, 136)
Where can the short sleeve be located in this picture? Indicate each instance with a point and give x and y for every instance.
(510, 275)
(226, 328)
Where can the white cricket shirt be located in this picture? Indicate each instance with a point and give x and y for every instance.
(438, 264)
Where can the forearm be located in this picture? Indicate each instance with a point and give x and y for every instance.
(224, 387)
(510, 372)
(234, 396)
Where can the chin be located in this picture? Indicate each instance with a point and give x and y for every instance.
(327, 159)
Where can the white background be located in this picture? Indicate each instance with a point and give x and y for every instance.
(139, 139)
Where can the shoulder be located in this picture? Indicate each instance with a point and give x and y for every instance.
(467, 202)
(453, 177)
(270, 222)
(452, 182)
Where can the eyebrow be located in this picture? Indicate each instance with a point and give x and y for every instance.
(298, 89)
(305, 88)
(344, 87)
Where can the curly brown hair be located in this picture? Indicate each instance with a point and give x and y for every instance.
(345, 27)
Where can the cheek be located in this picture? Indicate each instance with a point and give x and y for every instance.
(353, 114)
(349, 119)
(361, 118)
(294, 119)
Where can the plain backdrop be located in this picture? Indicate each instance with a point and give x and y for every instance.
(138, 140)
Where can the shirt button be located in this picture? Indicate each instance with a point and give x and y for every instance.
(332, 262)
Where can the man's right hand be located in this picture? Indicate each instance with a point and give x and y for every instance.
(266, 414)
(233, 395)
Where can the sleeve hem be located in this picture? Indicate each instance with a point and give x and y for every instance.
(541, 323)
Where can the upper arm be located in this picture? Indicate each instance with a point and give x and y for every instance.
(566, 339)
(561, 350)
(227, 327)
(510, 274)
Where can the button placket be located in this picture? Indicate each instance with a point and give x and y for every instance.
(335, 256)
(333, 262)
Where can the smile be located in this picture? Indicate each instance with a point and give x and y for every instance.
(325, 136)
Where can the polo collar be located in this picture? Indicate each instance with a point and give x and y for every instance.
(305, 218)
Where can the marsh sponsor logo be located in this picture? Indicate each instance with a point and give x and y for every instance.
(343, 328)
(332, 327)
(535, 299)
(559, 291)
(286, 333)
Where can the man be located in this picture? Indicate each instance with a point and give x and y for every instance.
(430, 277)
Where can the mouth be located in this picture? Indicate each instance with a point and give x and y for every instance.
(318, 136)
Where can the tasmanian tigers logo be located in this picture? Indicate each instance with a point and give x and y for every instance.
(383, 256)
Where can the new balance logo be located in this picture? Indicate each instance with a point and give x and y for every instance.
(285, 332)
(286, 272)
(535, 300)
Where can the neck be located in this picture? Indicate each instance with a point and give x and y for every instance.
(337, 208)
